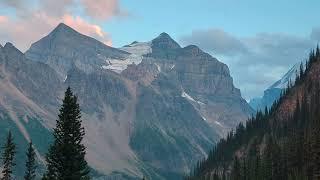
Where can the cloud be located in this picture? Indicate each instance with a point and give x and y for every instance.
(103, 9)
(56, 8)
(13, 3)
(3, 19)
(216, 41)
(315, 34)
(33, 21)
(255, 62)
(275, 49)
(87, 28)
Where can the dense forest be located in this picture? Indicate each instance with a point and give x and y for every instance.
(274, 145)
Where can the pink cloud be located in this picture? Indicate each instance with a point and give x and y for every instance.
(102, 9)
(56, 7)
(31, 23)
(23, 32)
(3, 19)
(86, 28)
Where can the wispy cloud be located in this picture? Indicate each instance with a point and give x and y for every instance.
(215, 40)
(103, 9)
(315, 34)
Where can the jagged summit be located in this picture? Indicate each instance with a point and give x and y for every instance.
(192, 48)
(164, 41)
(164, 34)
(62, 29)
(8, 45)
(10, 48)
(64, 47)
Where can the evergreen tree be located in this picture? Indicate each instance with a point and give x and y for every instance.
(236, 169)
(31, 166)
(66, 156)
(9, 150)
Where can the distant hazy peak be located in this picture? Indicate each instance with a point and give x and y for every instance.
(289, 76)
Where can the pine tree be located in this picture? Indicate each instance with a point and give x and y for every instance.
(31, 166)
(236, 169)
(267, 159)
(66, 156)
(8, 157)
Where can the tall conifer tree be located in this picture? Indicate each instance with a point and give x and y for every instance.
(66, 156)
(9, 150)
(31, 166)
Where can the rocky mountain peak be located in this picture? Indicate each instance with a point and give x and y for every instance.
(164, 41)
(9, 48)
(8, 45)
(193, 50)
(63, 30)
(64, 48)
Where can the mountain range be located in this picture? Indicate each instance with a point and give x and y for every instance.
(149, 108)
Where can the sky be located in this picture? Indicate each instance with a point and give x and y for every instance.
(258, 40)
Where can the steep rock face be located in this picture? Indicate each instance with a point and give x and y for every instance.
(149, 108)
(168, 129)
(204, 80)
(32, 85)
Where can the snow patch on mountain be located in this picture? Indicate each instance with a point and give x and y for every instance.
(188, 97)
(137, 50)
(218, 123)
(158, 67)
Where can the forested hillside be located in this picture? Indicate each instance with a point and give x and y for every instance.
(282, 142)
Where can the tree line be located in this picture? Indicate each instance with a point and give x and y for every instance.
(268, 147)
(65, 159)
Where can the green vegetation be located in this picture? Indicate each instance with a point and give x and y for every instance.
(31, 166)
(7, 157)
(66, 156)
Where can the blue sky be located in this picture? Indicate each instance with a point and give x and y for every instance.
(239, 17)
(258, 40)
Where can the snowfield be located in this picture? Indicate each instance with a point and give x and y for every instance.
(137, 50)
